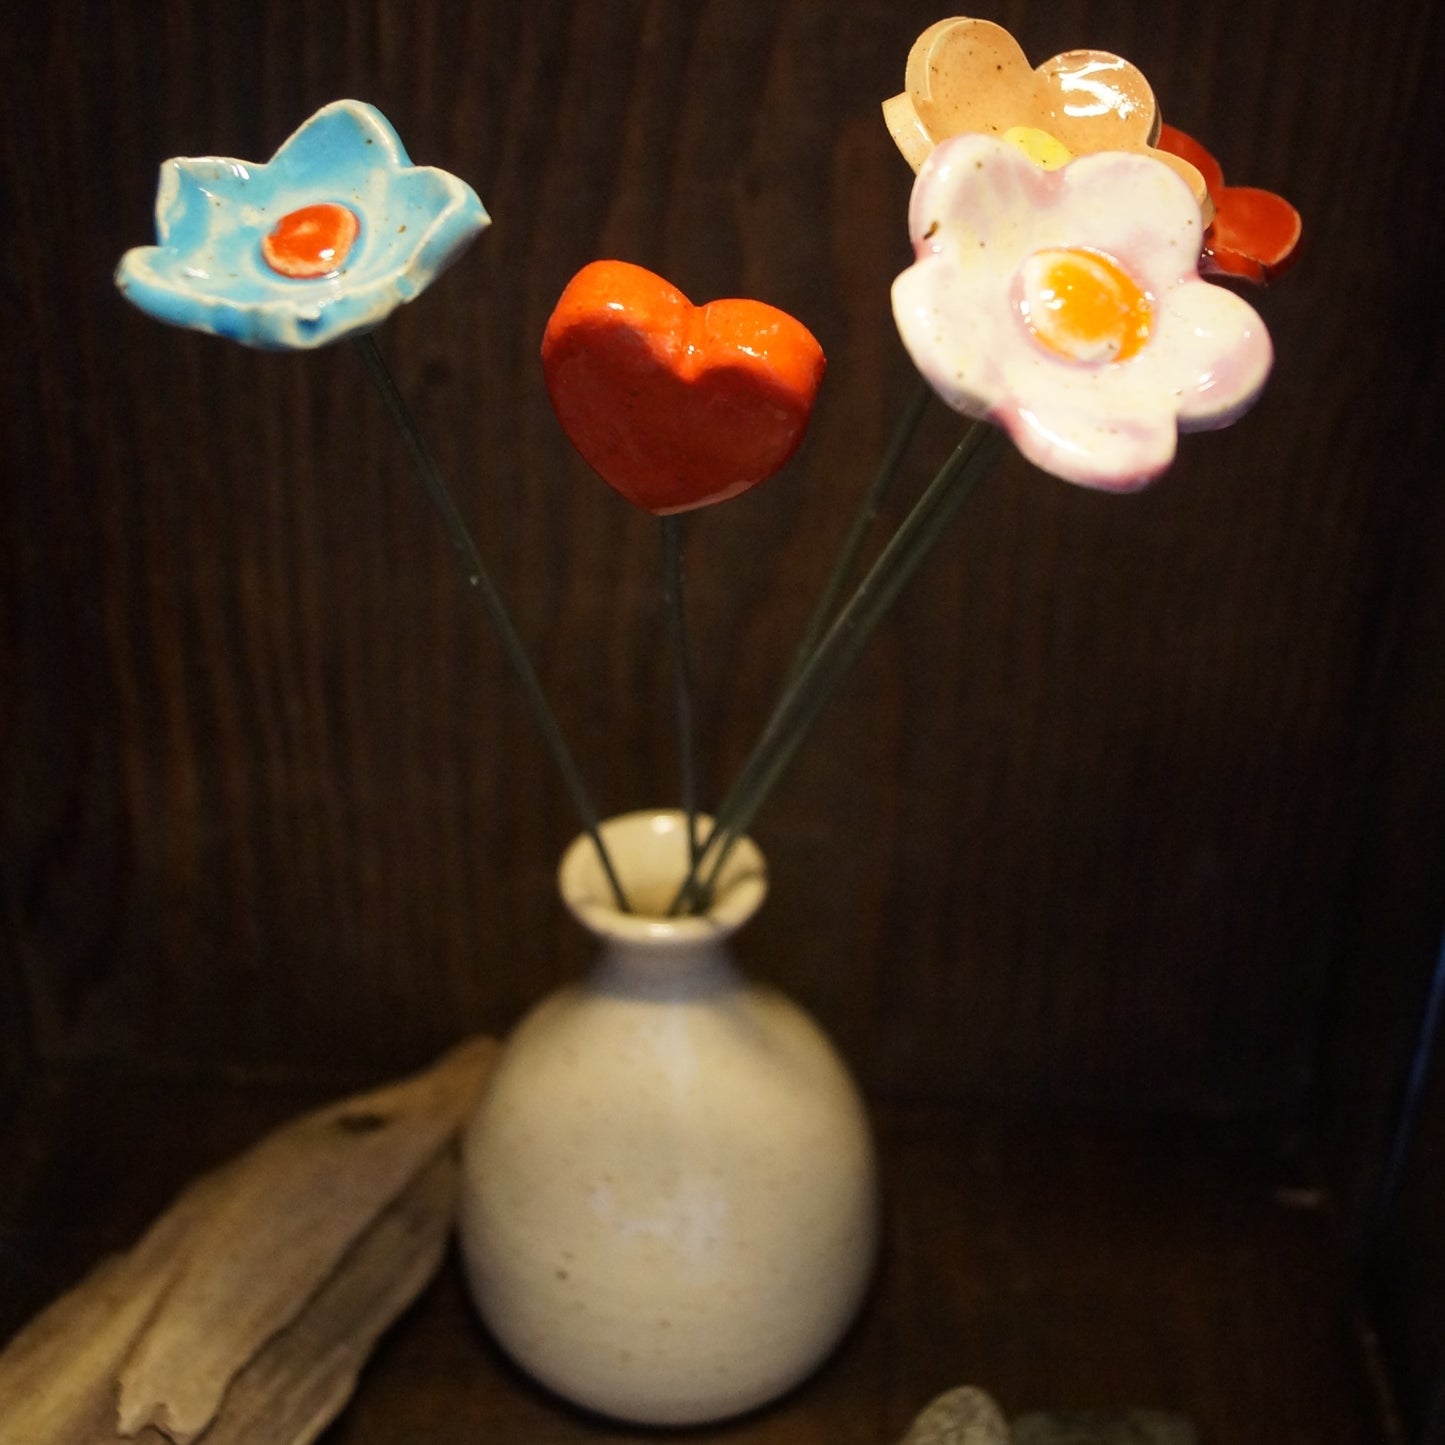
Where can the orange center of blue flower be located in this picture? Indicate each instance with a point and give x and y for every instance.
(1082, 305)
(312, 242)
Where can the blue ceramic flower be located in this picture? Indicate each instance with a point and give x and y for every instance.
(325, 240)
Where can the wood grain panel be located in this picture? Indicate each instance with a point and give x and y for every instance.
(1091, 823)
(1406, 1261)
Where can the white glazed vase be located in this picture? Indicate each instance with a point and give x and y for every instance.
(669, 1205)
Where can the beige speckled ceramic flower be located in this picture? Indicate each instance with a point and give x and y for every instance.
(972, 76)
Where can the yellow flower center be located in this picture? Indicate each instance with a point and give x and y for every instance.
(1082, 305)
(312, 242)
(1039, 146)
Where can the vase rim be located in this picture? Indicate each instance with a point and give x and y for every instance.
(648, 848)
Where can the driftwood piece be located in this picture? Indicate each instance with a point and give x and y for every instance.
(304, 1376)
(290, 1392)
(307, 1245)
(965, 1416)
(58, 1375)
(294, 1206)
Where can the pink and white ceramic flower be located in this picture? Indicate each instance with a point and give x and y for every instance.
(1066, 307)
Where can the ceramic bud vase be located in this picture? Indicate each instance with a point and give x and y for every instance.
(669, 1208)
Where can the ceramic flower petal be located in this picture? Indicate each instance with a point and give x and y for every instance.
(325, 240)
(968, 75)
(676, 406)
(1065, 306)
(1255, 234)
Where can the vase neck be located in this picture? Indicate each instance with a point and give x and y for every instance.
(674, 972)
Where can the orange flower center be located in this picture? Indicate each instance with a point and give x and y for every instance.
(1082, 305)
(312, 242)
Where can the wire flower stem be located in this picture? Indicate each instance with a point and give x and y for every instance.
(807, 695)
(827, 605)
(825, 612)
(480, 583)
(672, 588)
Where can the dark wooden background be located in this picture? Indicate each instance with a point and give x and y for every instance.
(1136, 805)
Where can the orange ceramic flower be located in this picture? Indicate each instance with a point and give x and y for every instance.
(971, 76)
(676, 405)
(1255, 234)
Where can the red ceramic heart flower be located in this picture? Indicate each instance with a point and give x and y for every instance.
(1254, 234)
(675, 405)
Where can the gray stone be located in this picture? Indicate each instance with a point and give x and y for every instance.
(961, 1417)
(1088, 1427)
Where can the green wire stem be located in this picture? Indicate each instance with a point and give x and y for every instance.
(827, 605)
(480, 582)
(672, 590)
(807, 694)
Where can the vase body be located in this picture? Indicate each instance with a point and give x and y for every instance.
(669, 1209)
